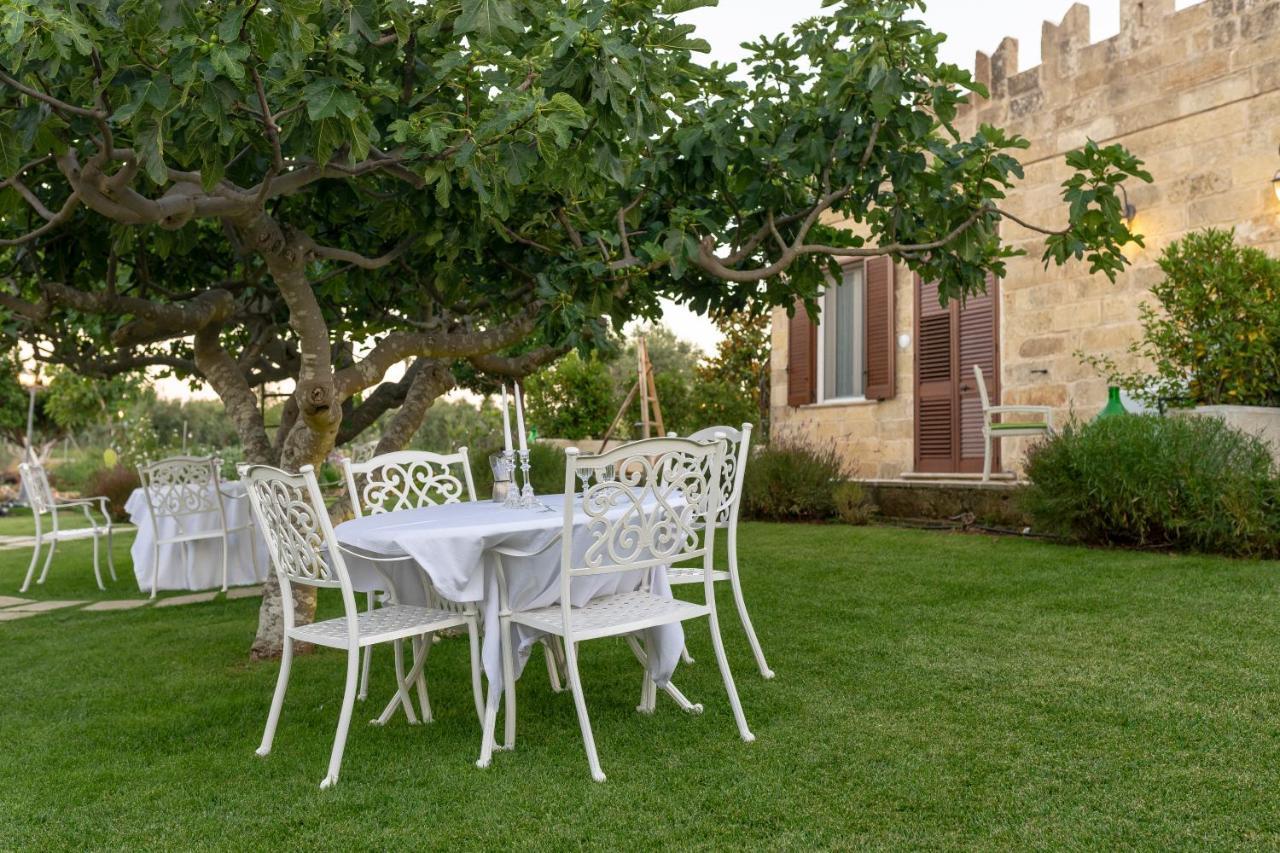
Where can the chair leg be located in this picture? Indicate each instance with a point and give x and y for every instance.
(553, 673)
(155, 568)
(986, 458)
(31, 569)
(736, 584)
(48, 560)
(397, 648)
(111, 563)
(718, 643)
(225, 547)
(477, 689)
(685, 657)
(402, 693)
(344, 719)
(508, 685)
(575, 684)
(277, 700)
(422, 648)
(488, 725)
(97, 573)
(366, 654)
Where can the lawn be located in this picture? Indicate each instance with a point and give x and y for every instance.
(933, 690)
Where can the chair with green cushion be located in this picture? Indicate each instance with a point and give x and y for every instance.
(993, 430)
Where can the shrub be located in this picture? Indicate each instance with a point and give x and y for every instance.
(115, 484)
(791, 479)
(546, 470)
(1215, 337)
(75, 473)
(1184, 483)
(852, 504)
(572, 398)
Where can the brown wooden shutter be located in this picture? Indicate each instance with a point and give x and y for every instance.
(802, 358)
(878, 293)
(936, 425)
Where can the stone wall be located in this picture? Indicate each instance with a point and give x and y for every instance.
(1196, 94)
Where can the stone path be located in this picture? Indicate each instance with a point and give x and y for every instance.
(13, 608)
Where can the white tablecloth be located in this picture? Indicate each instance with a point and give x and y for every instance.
(204, 569)
(453, 544)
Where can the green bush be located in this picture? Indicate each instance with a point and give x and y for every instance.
(1214, 338)
(1183, 483)
(546, 470)
(75, 473)
(573, 398)
(852, 504)
(791, 479)
(116, 485)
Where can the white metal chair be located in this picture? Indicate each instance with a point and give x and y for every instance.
(291, 514)
(993, 430)
(653, 503)
(408, 479)
(35, 482)
(180, 488)
(732, 474)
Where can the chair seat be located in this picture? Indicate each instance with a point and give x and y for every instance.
(1039, 426)
(611, 615)
(688, 574)
(64, 535)
(379, 626)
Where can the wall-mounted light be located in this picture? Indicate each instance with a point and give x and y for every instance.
(1130, 212)
(904, 341)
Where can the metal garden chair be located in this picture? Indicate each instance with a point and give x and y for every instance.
(183, 488)
(35, 482)
(291, 514)
(733, 472)
(653, 503)
(994, 429)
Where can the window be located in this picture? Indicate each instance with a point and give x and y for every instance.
(842, 332)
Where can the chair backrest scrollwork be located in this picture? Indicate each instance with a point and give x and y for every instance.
(35, 482)
(649, 505)
(181, 485)
(291, 514)
(733, 470)
(408, 479)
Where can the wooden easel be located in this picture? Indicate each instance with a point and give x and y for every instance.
(647, 389)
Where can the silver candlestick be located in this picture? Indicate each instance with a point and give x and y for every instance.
(513, 493)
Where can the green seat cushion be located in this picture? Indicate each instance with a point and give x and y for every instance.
(1020, 425)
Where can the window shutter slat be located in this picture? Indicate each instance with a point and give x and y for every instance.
(802, 358)
(880, 343)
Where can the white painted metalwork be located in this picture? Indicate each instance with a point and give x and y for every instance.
(182, 487)
(649, 506)
(732, 474)
(405, 479)
(993, 430)
(291, 514)
(408, 479)
(40, 496)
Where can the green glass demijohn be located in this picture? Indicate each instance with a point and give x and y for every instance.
(1114, 406)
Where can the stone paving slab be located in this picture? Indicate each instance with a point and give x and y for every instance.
(195, 598)
(43, 606)
(11, 615)
(9, 600)
(119, 604)
(244, 592)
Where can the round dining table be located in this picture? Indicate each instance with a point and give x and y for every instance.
(451, 547)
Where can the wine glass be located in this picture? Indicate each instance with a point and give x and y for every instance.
(584, 477)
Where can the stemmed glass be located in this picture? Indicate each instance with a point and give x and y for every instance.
(584, 477)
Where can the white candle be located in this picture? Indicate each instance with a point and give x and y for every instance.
(520, 418)
(506, 421)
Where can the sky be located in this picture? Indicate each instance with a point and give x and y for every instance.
(970, 26)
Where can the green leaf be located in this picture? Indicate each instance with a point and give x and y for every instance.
(487, 18)
(149, 142)
(326, 98)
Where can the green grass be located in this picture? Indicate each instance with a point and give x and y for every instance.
(933, 690)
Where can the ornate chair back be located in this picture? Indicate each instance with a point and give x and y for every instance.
(649, 505)
(182, 486)
(733, 470)
(35, 482)
(290, 512)
(408, 479)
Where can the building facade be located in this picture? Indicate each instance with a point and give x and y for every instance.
(887, 375)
